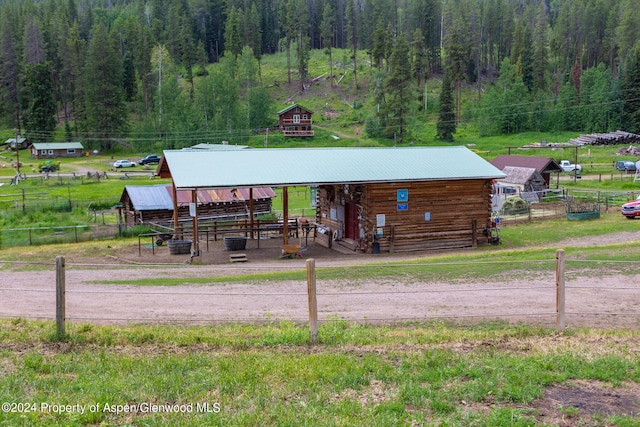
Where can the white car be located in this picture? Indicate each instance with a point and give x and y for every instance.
(124, 164)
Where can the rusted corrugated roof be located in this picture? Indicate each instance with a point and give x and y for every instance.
(158, 197)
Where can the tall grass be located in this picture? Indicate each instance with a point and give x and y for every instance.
(358, 375)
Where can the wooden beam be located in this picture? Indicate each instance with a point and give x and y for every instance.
(176, 223)
(285, 215)
(251, 211)
(194, 244)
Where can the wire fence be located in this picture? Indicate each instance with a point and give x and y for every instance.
(539, 300)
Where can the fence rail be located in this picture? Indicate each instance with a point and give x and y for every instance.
(545, 301)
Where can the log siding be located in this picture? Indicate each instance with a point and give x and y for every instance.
(435, 214)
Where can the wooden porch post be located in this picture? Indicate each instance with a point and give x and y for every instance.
(177, 231)
(251, 211)
(194, 244)
(285, 215)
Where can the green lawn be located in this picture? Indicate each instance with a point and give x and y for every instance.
(267, 375)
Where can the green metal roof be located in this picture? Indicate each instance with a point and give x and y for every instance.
(221, 147)
(308, 166)
(58, 146)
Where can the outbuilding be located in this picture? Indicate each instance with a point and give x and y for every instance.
(145, 204)
(529, 183)
(17, 143)
(369, 199)
(545, 166)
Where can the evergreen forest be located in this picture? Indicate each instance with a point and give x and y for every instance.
(161, 74)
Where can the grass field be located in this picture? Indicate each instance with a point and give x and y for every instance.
(358, 375)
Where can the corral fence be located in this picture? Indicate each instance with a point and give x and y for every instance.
(550, 301)
(554, 204)
(35, 236)
(104, 223)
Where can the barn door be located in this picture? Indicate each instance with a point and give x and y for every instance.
(351, 221)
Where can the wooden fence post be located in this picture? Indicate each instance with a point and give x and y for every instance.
(313, 304)
(60, 296)
(560, 301)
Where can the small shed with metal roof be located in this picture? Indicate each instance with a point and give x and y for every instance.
(145, 204)
(368, 199)
(545, 166)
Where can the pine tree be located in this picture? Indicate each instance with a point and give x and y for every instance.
(40, 119)
(631, 91)
(398, 89)
(9, 71)
(232, 33)
(327, 30)
(351, 19)
(446, 126)
(105, 114)
(378, 53)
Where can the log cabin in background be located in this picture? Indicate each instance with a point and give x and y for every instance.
(368, 199)
(295, 121)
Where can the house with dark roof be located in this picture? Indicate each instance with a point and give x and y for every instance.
(545, 166)
(295, 121)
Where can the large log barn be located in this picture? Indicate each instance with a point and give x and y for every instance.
(368, 199)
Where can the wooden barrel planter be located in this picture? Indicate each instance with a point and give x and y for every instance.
(179, 247)
(235, 243)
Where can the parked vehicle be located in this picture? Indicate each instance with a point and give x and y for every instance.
(567, 166)
(124, 164)
(149, 159)
(626, 166)
(631, 209)
(47, 168)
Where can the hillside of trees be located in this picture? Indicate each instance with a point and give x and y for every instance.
(172, 73)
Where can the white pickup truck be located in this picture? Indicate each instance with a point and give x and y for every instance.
(567, 166)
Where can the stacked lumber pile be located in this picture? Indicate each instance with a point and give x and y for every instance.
(613, 138)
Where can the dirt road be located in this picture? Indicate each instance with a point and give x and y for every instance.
(94, 296)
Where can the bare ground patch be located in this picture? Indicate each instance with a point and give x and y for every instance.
(586, 403)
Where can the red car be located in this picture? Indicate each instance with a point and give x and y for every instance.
(631, 209)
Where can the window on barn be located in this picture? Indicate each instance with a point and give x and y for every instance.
(71, 151)
(50, 152)
(296, 118)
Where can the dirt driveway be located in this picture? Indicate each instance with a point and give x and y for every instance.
(94, 294)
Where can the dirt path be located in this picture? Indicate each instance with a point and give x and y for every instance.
(92, 296)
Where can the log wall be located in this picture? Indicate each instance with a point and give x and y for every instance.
(438, 214)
